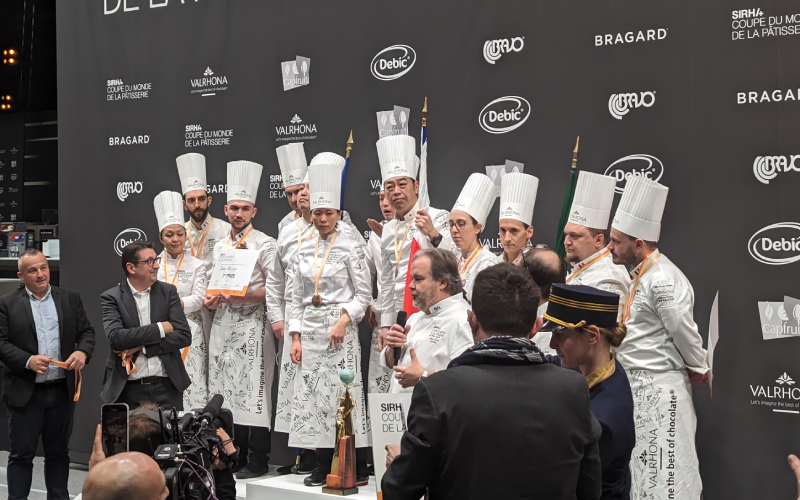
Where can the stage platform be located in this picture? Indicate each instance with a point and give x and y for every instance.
(290, 487)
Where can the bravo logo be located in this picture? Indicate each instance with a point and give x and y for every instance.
(494, 49)
(777, 244)
(638, 165)
(393, 62)
(124, 189)
(127, 237)
(620, 104)
(504, 114)
(767, 168)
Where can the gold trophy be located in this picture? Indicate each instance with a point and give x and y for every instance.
(342, 479)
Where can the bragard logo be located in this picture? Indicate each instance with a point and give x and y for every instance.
(494, 49)
(638, 165)
(620, 104)
(127, 188)
(777, 244)
(766, 168)
(631, 37)
(130, 139)
(504, 114)
(127, 237)
(393, 62)
(753, 97)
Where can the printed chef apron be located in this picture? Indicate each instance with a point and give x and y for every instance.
(196, 395)
(318, 389)
(241, 353)
(286, 386)
(379, 377)
(664, 461)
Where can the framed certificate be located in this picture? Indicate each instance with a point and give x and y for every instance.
(232, 271)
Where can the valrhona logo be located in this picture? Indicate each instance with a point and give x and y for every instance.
(620, 104)
(127, 237)
(494, 49)
(777, 244)
(504, 114)
(393, 62)
(124, 189)
(638, 165)
(766, 168)
(209, 84)
(782, 395)
(296, 130)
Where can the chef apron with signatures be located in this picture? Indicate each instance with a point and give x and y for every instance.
(196, 362)
(286, 386)
(240, 364)
(378, 376)
(318, 388)
(664, 461)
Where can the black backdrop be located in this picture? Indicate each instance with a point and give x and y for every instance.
(703, 141)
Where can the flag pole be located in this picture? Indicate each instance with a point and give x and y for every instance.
(567, 203)
(346, 165)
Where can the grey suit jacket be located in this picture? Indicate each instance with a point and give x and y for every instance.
(122, 328)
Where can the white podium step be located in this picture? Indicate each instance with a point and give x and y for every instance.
(291, 487)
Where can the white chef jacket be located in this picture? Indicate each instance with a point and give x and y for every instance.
(372, 252)
(279, 279)
(484, 259)
(542, 339)
(218, 230)
(146, 367)
(662, 335)
(603, 275)
(437, 338)
(256, 240)
(190, 281)
(288, 219)
(392, 287)
(345, 278)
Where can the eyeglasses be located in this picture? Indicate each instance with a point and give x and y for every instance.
(459, 224)
(148, 262)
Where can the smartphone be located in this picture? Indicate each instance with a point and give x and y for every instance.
(114, 427)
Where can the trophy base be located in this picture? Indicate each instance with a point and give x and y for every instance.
(340, 491)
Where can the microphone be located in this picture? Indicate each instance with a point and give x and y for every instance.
(402, 316)
(211, 411)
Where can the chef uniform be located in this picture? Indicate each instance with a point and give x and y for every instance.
(241, 347)
(437, 338)
(378, 377)
(294, 170)
(397, 159)
(334, 271)
(476, 199)
(188, 275)
(591, 207)
(517, 199)
(200, 243)
(662, 343)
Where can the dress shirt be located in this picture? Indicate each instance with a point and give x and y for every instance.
(146, 367)
(45, 317)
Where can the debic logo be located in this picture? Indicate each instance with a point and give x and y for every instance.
(638, 165)
(777, 244)
(393, 62)
(504, 114)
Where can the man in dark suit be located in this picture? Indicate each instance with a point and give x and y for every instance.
(145, 325)
(500, 422)
(41, 325)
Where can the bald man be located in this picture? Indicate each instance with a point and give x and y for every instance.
(546, 268)
(126, 476)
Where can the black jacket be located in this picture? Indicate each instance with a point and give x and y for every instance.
(498, 431)
(121, 324)
(18, 340)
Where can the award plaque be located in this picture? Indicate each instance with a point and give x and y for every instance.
(342, 479)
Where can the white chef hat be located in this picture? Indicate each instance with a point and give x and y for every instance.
(192, 171)
(328, 159)
(292, 160)
(477, 197)
(243, 180)
(169, 209)
(640, 209)
(518, 197)
(591, 205)
(397, 158)
(325, 185)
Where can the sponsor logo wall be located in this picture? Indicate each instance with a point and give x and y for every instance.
(690, 95)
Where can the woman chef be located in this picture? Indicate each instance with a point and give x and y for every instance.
(188, 274)
(331, 292)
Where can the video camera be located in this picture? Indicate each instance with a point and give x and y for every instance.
(190, 445)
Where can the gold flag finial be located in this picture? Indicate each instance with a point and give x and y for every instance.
(349, 145)
(575, 153)
(425, 113)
